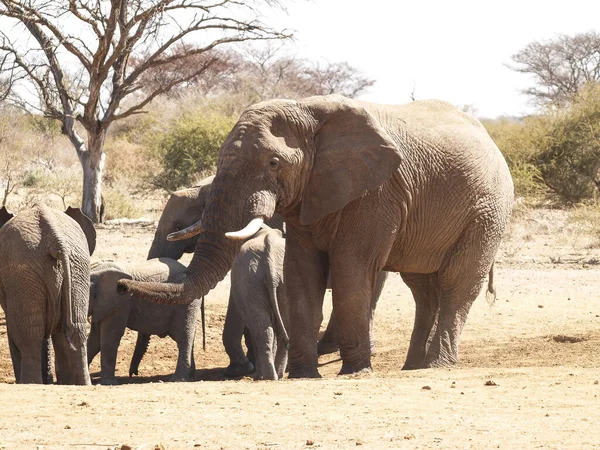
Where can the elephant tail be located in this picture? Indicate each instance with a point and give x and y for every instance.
(141, 346)
(275, 260)
(61, 254)
(490, 294)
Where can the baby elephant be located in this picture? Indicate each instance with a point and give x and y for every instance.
(257, 293)
(112, 312)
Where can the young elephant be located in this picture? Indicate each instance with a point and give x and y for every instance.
(44, 278)
(257, 295)
(112, 312)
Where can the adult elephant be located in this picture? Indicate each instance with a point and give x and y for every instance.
(419, 189)
(44, 290)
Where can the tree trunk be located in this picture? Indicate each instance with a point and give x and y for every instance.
(92, 162)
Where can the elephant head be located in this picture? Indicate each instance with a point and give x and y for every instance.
(104, 298)
(74, 213)
(304, 159)
(184, 208)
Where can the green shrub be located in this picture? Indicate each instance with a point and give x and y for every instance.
(35, 178)
(569, 157)
(518, 139)
(188, 152)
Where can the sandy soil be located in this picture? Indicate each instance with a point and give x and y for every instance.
(527, 376)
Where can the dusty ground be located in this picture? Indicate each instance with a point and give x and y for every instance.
(539, 344)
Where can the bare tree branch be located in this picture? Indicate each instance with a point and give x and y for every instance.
(560, 67)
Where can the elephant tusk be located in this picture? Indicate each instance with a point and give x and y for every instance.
(249, 231)
(186, 233)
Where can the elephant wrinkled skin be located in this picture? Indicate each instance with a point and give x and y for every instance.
(419, 189)
(44, 291)
(112, 312)
(257, 301)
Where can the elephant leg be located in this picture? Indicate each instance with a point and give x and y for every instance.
(305, 275)
(93, 342)
(425, 290)
(47, 377)
(31, 364)
(184, 371)
(71, 362)
(248, 341)
(141, 346)
(77, 354)
(460, 279)
(455, 304)
(379, 285)
(15, 356)
(281, 356)
(111, 331)
(263, 338)
(193, 360)
(352, 292)
(25, 324)
(61, 358)
(233, 330)
(329, 341)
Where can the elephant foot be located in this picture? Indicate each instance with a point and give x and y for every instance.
(348, 369)
(412, 366)
(327, 347)
(437, 364)
(266, 377)
(133, 372)
(236, 370)
(177, 378)
(109, 382)
(304, 373)
(439, 359)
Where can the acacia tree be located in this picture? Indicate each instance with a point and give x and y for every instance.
(265, 72)
(560, 67)
(84, 62)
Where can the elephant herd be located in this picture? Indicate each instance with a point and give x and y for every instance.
(363, 189)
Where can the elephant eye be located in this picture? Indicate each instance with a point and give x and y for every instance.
(274, 163)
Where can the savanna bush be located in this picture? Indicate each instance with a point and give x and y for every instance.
(569, 156)
(518, 139)
(555, 152)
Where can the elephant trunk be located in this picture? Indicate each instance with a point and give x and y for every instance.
(212, 260)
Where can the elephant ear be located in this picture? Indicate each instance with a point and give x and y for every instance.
(105, 299)
(5, 216)
(86, 226)
(353, 154)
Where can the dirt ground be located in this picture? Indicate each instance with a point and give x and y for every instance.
(527, 377)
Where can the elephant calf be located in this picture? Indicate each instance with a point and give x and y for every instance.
(112, 312)
(44, 273)
(256, 296)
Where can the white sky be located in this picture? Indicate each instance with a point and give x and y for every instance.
(453, 50)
